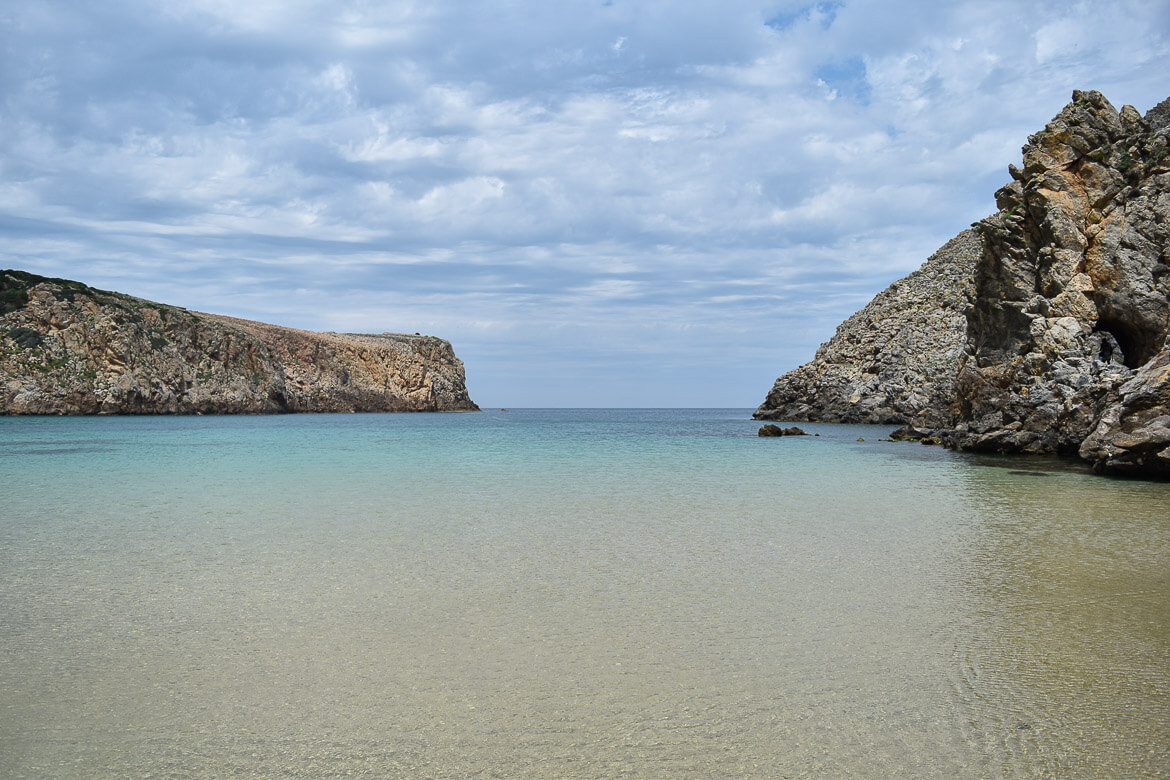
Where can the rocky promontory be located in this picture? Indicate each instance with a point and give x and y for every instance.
(66, 348)
(1054, 339)
(896, 358)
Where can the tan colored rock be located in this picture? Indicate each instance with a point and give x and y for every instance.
(1089, 246)
(99, 352)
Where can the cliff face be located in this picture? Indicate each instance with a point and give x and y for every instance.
(1063, 338)
(66, 348)
(894, 360)
(1073, 289)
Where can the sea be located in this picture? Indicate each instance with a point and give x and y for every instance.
(569, 593)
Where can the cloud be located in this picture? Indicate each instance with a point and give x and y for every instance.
(630, 184)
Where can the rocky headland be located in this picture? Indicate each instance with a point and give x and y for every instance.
(66, 348)
(1044, 329)
(896, 358)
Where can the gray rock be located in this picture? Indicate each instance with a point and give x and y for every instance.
(894, 361)
(66, 348)
(1133, 435)
(1049, 332)
(1159, 116)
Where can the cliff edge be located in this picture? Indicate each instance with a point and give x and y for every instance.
(1061, 345)
(66, 348)
(895, 359)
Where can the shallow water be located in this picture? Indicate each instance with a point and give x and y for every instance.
(569, 593)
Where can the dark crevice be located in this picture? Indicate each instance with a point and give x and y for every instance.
(1137, 345)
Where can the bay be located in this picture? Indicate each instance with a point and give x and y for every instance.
(569, 593)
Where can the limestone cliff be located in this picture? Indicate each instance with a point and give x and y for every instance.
(66, 348)
(895, 359)
(1063, 340)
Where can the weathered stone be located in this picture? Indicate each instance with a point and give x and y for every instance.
(776, 430)
(1089, 256)
(66, 348)
(1132, 436)
(909, 433)
(894, 360)
(1064, 311)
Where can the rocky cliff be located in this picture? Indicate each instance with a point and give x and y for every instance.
(1073, 291)
(1064, 335)
(66, 348)
(895, 359)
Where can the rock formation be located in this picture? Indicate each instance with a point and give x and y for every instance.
(1133, 435)
(66, 348)
(776, 430)
(1063, 345)
(896, 358)
(1073, 290)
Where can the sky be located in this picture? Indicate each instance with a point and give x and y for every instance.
(598, 202)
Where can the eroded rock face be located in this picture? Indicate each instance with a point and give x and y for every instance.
(1133, 435)
(66, 348)
(1052, 338)
(1073, 289)
(895, 360)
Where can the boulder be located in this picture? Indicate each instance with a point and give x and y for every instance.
(776, 430)
(1132, 436)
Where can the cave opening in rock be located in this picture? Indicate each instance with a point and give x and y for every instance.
(1137, 344)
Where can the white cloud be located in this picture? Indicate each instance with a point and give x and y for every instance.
(530, 177)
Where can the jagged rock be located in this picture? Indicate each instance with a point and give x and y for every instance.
(1060, 319)
(895, 360)
(1072, 291)
(776, 430)
(1133, 435)
(1159, 115)
(66, 348)
(909, 433)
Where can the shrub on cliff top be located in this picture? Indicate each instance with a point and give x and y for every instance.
(14, 286)
(11, 300)
(13, 291)
(26, 337)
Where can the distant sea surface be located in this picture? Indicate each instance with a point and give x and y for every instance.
(569, 593)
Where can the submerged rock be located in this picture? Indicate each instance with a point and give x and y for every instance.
(66, 348)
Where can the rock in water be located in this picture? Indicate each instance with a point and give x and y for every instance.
(1133, 435)
(1050, 331)
(66, 348)
(776, 430)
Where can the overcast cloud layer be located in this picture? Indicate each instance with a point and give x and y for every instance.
(599, 203)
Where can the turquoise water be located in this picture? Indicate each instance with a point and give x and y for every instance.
(569, 593)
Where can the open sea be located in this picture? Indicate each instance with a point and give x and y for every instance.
(569, 594)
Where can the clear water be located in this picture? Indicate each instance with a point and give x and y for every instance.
(568, 593)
